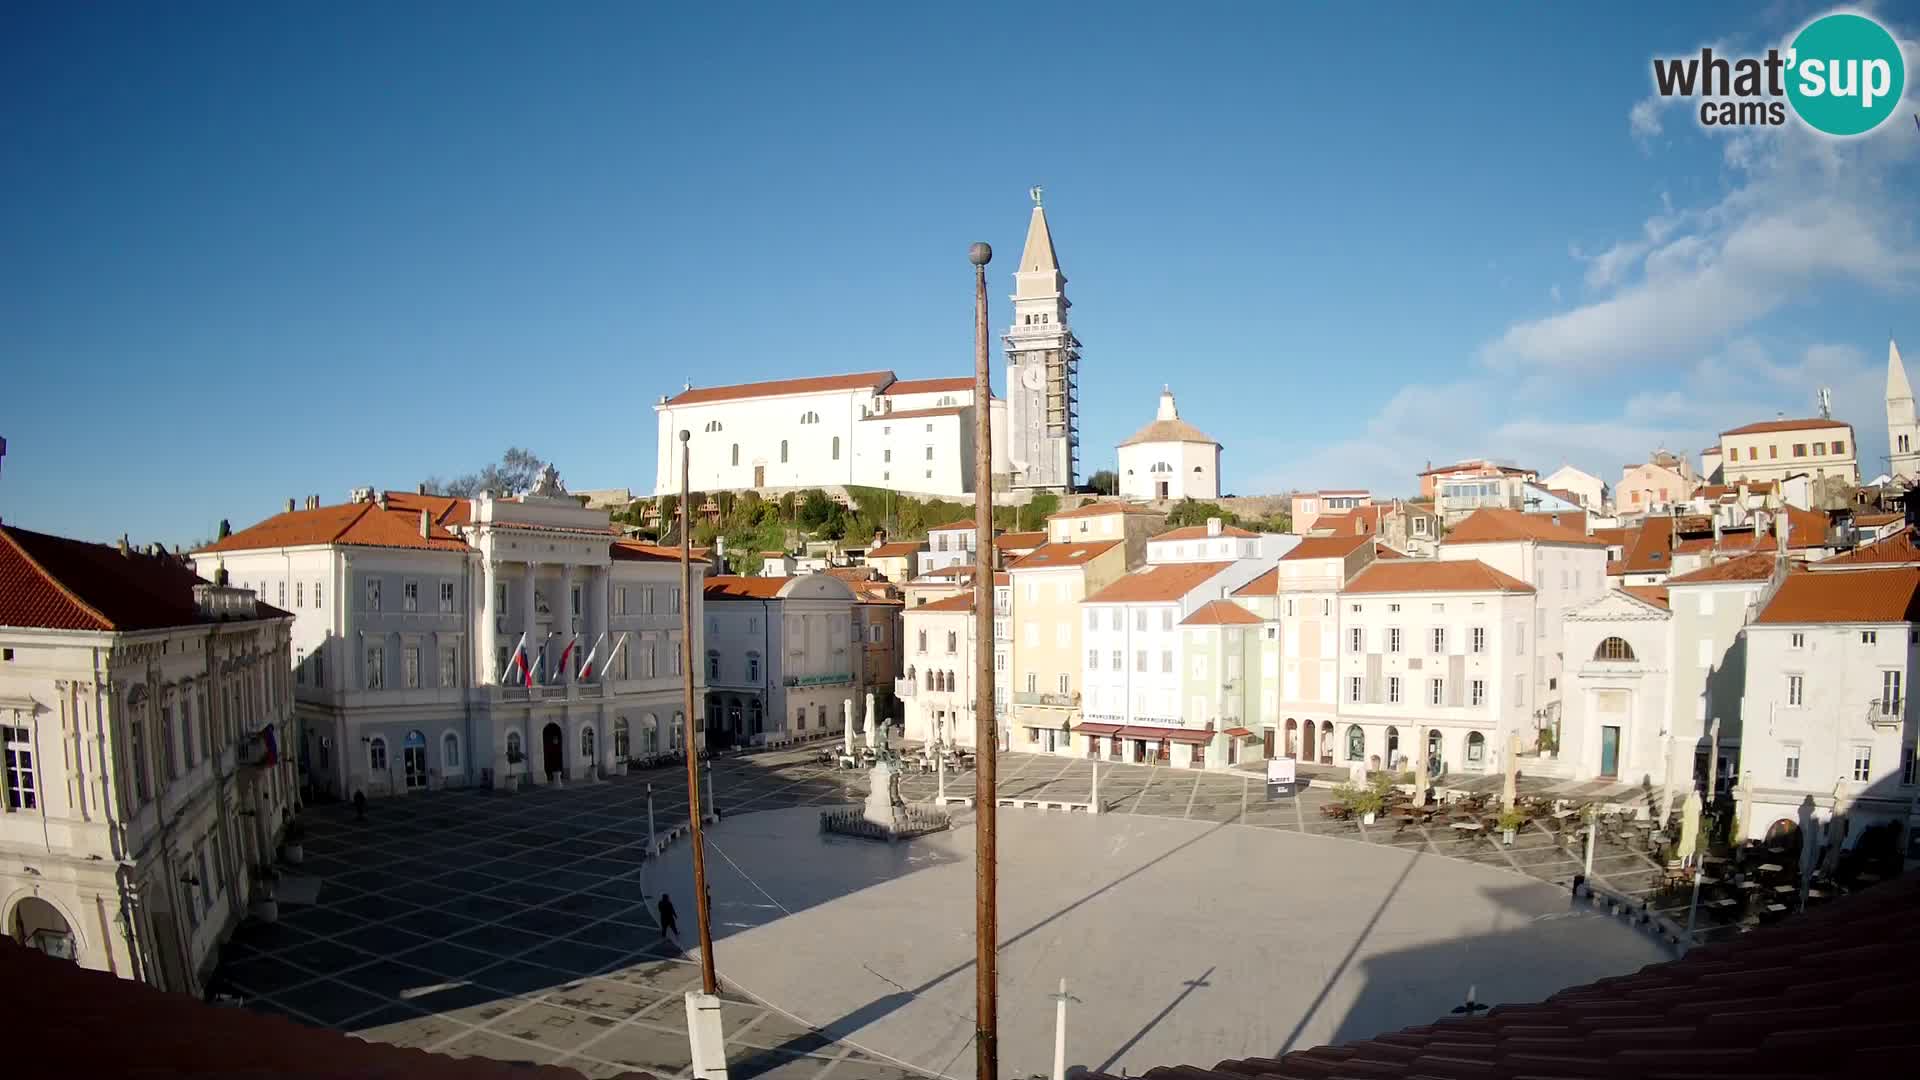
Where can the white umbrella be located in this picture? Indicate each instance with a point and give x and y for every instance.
(1510, 791)
(1420, 780)
(1689, 826)
(1836, 831)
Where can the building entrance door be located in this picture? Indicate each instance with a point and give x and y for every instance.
(1306, 740)
(1160, 490)
(1267, 736)
(1610, 752)
(413, 756)
(550, 749)
(759, 476)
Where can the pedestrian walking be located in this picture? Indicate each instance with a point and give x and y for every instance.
(669, 926)
(360, 806)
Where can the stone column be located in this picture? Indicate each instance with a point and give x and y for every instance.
(563, 624)
(486, 672)
(600, 606)
(846, 744)
(873, 721)
(528, 615)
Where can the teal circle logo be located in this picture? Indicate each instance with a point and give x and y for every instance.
(1846, 74)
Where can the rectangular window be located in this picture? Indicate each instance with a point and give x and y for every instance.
(1393, 639)
(499, 599)
(1140, 660)
(1479, 692)
(376, 668)
(282, 602)
(1869, 637)
(21, 792)
(300, 667)
(620, 600)
(1033, 682)
(1439, 641)
(1796, 640)
(1066, 683)
(673, 600)
(1436, 691)
(1862, 763)
(1393, 689)
(1839, 446)
(1354, 688)
(1773, 450)
(1093, 659)
(1166, 619)
(446, 596)
(1093, 619)
(410, 596)
(753, 667)
(1908, 766)
(299, 593)
(1140, 619)
(1166, 661)
(410, 663)
(573, 601)
(1796, 691)
(449, 665)
(1479, 640)
(373, 594)
(1790, 761)
(1890, 693)
(1000, 664)
(1358, 639)
(1519, 637)
(1800, 449)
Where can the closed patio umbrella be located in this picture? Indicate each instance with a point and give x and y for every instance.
(1510, 790)
(1689, 826)
(1420, 780)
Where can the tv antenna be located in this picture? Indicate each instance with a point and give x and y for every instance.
(1826, 403)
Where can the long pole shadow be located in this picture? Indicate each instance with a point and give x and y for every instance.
(1352, 951)
(1191, 985)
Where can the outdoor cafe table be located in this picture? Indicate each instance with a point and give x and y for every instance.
(1784, 889)
(1466, 826)
(1769, 868)
(1565, 814)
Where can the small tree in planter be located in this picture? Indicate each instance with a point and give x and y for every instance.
(514, 757)
(1511, 820)
(293, 842)
(1365, 801)
(265, 907)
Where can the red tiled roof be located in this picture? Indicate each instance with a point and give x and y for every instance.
(1161, 582)
(1721, 491)
(1823, 994)
(864, 380)
(1735, 540)
(733, 587)
(1220, 613)
(639, 551)
(1199, 532)
(1866, 596)
(1434, 575)
(1382, 551)
(53, 583)
(957, 602)
(909, 414)
(446, 509)
(896, 550)
(347, 524)
(1477, 463)
(1493, 526)
(929, 386)
(1267, 584)
(1876, 520)
(1096, 509)
(1765, 426)
(1756, 566)
(1806, 528)
(1612, 536)
(1897, 549)
(1325, 547)
(1652, 594)
(1014, 541)
(130, 1029)
(1652, 548)
(1069, 554)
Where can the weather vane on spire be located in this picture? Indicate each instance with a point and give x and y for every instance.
(1034, 191)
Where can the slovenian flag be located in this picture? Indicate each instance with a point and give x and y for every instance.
(586, 666)
(560, 669)
(517, 662)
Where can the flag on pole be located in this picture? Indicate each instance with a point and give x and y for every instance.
(586, 666)
(542, 665)
(617, 646)
(560, 669)
(516, 662)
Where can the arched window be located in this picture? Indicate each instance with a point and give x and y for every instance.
(377, 754)
(1476, 749)
(1614, 648)
(783, 451)
(713, 425)
(836, 448)
(622, 742)
(449, 751)
(951, 685)
(929, 680)
(1356, 743)
(513, 746)
(586, 743)
(736, 453)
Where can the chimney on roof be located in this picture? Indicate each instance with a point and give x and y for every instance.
(422, 489)
(380, 500)
(426, 525)
(1213, 526)
(289, 506)
(125, 549)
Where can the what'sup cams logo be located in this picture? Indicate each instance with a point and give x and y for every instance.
(1842, 75)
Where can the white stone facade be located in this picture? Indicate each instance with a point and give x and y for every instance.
(780, 663)
(1169, 459)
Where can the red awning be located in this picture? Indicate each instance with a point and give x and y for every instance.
(1098, 729)
(1239, 732)
(1196, 736)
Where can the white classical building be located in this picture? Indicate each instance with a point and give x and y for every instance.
(947, 545)
(937, 686)
(1169, 459)
(143, 712)
(1617, 712)
(410, 612)
(780, 660)
(1133, 670)
(1589, 490)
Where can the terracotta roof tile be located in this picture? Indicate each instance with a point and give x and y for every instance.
(1101, 508)
(1765, 426)
(640, 551)
(1615, 536)
(446, 509)
(1220, 613)
(1014, 541)
(130, 1029)
(347, 524)
(1755, 566)
(1652, 594)
(1865, 596)
(1498, 526)
(958, 602)
(1199, 532)
(733, 587)
(1325, 547)
(1900, 548)
(909, 414)
(1161, 583)
(897, 549)
(1071, 554)
(864, 380)
(1267, 584)
(53, 583)
(930, 386)
(1817, 995)
(953, 526)
(1169, 431)
(1652, 548)
(1434, 575)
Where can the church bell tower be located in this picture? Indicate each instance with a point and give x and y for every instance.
(1903, 428)
(1043, 368)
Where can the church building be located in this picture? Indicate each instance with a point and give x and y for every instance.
(1169, 459)
(875, 429)
(1903, 428)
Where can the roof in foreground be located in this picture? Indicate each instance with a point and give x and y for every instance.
(1652, 594)
(1755, 566)
(1069, 554)
(1818, 995)
(1496, 526)
(1220, 613)
(1434, 575)
(1159, 583)
(1175, 430)
(1888, 595)
(1898, 549)
(1326, 547)
(52, 583)
(132, 1029)
(1765, 426)
(361, 524)
(1015, 541)
(735, 587)
(859, 380)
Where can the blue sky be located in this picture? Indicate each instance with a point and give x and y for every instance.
(262, 251)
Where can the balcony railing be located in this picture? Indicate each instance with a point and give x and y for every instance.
(1059, 701)
(904, 687)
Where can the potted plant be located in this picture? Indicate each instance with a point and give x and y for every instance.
(514, 757)
(1365, 801)
(1511, 819)
(265, 907)
(294, 843)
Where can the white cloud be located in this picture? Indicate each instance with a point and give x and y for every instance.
(1644, 118)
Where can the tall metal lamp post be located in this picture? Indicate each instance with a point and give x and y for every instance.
(986, 736)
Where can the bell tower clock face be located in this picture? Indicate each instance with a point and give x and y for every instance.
(1033, 377)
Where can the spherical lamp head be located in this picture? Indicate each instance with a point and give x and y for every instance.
(980, 254)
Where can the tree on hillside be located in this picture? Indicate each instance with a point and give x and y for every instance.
(1104, 482)
(1188, 512)
(516, 472)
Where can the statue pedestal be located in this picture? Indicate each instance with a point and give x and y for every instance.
(883, 806)
(885, 816)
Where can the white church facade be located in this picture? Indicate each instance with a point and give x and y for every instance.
(875, 429)
(1169, 459)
